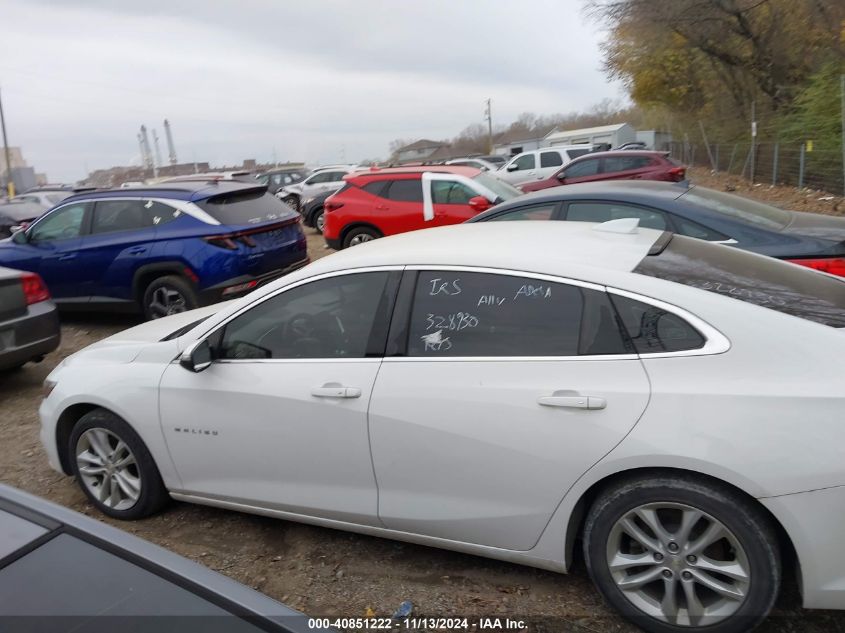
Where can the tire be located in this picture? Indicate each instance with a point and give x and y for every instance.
(359, 236)
(292, 202)
(134, 471)
(318, 220)
(168, 295)
(748, 544)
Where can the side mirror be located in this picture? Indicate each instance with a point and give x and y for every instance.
(561, 176)
(479, 204)
(197, 356)
(21, 237)
(512, 167)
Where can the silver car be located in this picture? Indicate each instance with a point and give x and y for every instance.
(320, 181)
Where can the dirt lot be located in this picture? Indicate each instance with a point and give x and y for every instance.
(323, 571)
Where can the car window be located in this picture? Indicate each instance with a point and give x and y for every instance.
(501, 189)
(624, 163)
(485, 314)
(263, 179)
(56, 198)
(65, 223)
(762, 281)
(317, 178)
(582, 168)
(248, 207)
(328, 318)
(405, 190)
(526, 161)
(575, 153)
(694, 229)
(606, 211)
(550, 159)
(652, 329)
(128, 215)
(450, 192)
(335, 176)
(375, 188)
(532, 212)
(737, 207)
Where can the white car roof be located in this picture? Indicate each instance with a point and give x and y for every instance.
(573, 249)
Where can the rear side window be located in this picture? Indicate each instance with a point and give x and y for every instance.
(582, 168)
(484, 314)
(606, 211)
(111, 216)
(405, 190)
(652, 329)
(375, 188)
(550, 159)
(762, 281)
(693, 229)
(625, 163)
(250, 207)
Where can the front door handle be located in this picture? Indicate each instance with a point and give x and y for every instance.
(573, 402)
(335, 390)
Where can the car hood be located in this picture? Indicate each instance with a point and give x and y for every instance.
(292, 188)
(827, 227)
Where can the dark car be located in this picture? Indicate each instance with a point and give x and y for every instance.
(17, 214)
(276, 179)
(161, 249)
(618, 165)
(809, 239)
(312, 211)
(61, 571)
(29, 325)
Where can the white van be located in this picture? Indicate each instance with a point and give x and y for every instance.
(540, 163)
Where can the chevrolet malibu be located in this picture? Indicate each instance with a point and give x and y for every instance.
(673, 405)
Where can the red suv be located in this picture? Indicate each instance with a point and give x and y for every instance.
(618, 165)
(382, 202)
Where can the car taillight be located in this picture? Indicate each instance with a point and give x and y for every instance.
(222, 241)
(678, 173)
(34, 289)
(331, 205)
(831, 265)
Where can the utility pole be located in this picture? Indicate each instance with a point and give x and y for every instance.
(842, 112)
(753, 138)
(10, 183)
(488, 113)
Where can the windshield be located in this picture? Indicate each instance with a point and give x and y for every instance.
(738, 207)
(503, 190)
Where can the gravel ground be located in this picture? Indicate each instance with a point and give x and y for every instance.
(317, 570)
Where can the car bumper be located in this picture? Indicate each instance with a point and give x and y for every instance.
(815, 522)
(29, 336)
(240, 286)
(49, 417)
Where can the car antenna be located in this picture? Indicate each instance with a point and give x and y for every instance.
(622, 225)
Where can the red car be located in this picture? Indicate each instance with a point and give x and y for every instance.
(618, 165)
(380, 202)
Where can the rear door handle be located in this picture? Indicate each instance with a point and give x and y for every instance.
(573, 402)
(137, 250)
(335, 390)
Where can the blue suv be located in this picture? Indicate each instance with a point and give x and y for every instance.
(160, 249)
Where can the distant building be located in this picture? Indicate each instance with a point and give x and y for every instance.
(516, 141)
(21, 174)
(656, 140)
(422, 151)
(613, 135)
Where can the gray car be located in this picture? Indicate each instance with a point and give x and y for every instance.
(29, 323)
(61, 571)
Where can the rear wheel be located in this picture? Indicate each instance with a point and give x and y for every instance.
(168, 295)
(114, 468)
(319, 220)
(677, 554)
(359, 236)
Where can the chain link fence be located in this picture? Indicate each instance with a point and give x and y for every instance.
(772, 163)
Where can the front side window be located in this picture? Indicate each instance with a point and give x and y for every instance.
(582, 168)
(606, 211)
(550, 159)
(525, 162)
(328, 318)
(62, 224)
(405, 190)
(762, 281)
(652, 329)
(533, 212)
(450, 192)
(485, 314)
(318, 178)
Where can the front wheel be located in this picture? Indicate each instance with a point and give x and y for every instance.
(168, 295)
(359, 236)
(292, 202)
(677, 554)
(114, 468)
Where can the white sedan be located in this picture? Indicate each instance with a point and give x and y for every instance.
(502, 390)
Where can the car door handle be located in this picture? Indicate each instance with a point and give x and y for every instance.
(573, 402)
(382, 207)
(335, 390)
(137, 250)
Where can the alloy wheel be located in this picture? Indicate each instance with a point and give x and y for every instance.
(108, 469)
(360, 239)
(320, 221)
(678, 564)
(167, 300)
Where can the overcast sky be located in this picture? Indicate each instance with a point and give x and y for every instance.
(314, 80)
